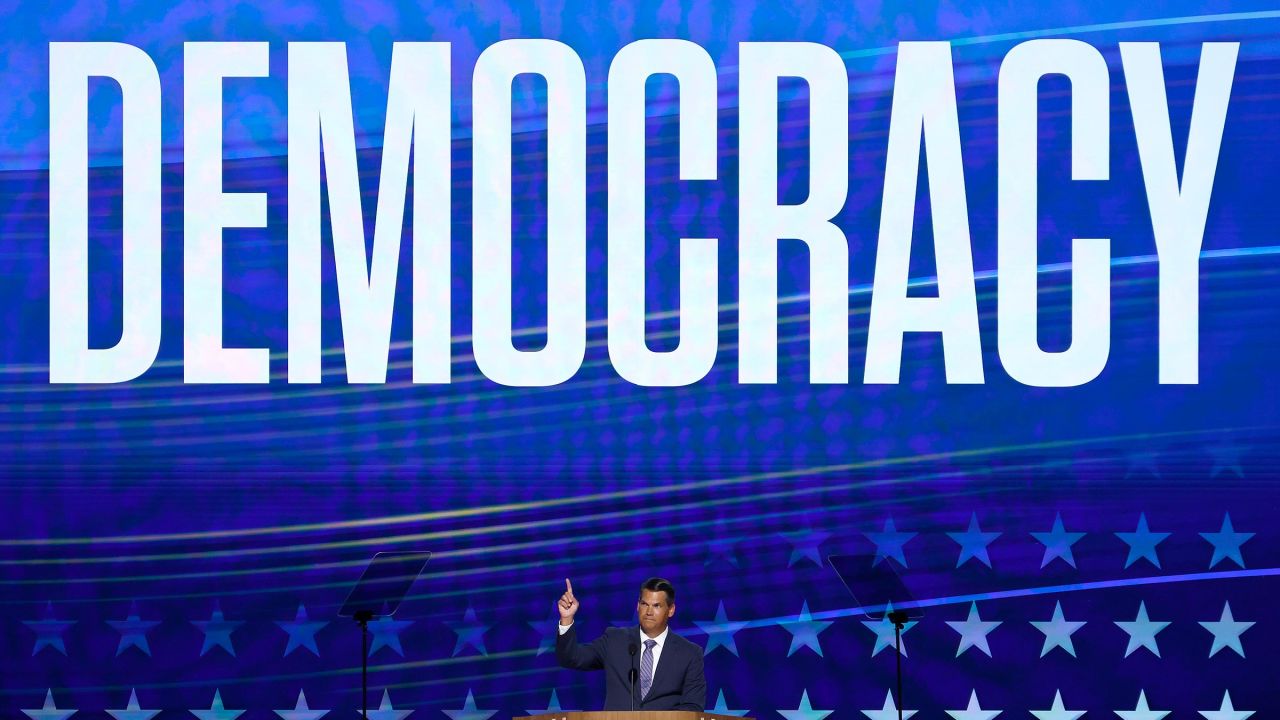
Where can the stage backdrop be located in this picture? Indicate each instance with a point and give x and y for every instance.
(176, 549)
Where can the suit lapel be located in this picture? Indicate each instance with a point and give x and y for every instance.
(666, 664)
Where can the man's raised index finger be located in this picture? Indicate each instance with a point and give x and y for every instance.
(568, 586)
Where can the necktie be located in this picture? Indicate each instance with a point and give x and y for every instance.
(646, 668)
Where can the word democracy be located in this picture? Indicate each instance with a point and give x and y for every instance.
(418, 125)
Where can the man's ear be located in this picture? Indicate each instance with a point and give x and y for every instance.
(671, 611)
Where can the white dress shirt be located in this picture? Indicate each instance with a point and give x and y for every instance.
(657, 650)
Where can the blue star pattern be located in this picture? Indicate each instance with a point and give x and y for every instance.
(1226, 632)
(889, 543)
(1227, 710)
(470, 631)
(1142, 632)
(973, 543)
(804, 711)
(1058, 631)
(132, 710)
(885, 632)
(49, 711)
(973, 711)
(133, 632)
(386, 633)
(553, 705)
(1058, 711)
(386, 711)
(806, 545)
(973, 631)
(722, 708)
(49, 631)
(547, 632)
(469, 711)
(805, 630)
(301, 710)
(302, 633)
(217, 631)
(720, 631)
(1142, 711)
(1226, 543)
(1057, 543)
(216, 710)
(889, 711)
(1142, 543)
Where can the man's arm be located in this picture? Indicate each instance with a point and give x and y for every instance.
(694, 695)
(568, 652)
(580, 657)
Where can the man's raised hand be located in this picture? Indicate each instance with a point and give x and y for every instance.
(568, 604)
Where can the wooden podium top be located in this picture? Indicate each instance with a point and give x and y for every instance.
(635, 715)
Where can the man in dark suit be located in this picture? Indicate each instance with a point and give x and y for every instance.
(646, 668)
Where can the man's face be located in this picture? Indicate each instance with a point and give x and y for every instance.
(654, 611)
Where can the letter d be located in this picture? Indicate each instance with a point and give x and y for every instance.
(71, 360)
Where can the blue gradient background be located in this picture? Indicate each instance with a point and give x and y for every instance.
(167, 498)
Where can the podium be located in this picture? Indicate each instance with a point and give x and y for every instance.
(635, 715)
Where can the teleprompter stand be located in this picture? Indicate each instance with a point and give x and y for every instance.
(378, 592)
(879, 593)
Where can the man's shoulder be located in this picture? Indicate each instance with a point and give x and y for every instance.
(615, 637)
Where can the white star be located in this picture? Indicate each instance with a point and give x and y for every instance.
(1057, 631)
(1142, 631)
(720, 631)
(217, 711)
(1058, 711)
(553, 705)
(1143, 711)
(1226, 632)
(133, 711)
(301, 711)
(889, 711)
(805, 711)
(885, 632)
(49, 711)
(721, 708)
(1226, 711)
(469, 711)
(974, 711)
(805, 631)
(386, 712)
(973, 631)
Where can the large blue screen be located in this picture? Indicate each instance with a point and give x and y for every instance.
(171, 547)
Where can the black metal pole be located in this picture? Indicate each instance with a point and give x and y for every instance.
(363, 619)
(631, 675)
(897, 643)
(899, 619)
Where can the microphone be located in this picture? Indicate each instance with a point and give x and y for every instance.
(632, 673)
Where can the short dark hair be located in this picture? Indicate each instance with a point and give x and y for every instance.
(657, 584)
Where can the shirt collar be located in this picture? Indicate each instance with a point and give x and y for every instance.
(661, 639)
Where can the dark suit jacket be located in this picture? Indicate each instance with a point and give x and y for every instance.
(678, 682)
